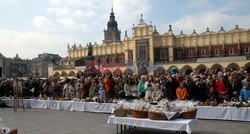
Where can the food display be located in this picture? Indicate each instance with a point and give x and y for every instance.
(121, 109)
(164, 110)
(234, 103)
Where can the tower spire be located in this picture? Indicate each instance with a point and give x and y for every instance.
(112, 9)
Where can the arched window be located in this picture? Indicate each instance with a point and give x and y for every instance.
(163, 54)
(179, 54)
(203, 52)
(217, 52)
(246, 50)
(111, 59)
(190, 54)
(231, 51)
(120, 59)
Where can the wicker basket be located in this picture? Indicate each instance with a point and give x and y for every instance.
(139, 114)
(188, 114)
(234, 99)
(213, 103)
(157, 116)
(120, 112)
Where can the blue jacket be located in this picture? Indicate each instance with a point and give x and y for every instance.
(244, 94)
(141, 87)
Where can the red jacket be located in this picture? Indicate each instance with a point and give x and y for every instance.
(220, 87)
(107, 83)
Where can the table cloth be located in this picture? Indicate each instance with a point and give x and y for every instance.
(224, 113)
(173, 125)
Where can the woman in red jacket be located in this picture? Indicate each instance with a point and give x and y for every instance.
(221, 88)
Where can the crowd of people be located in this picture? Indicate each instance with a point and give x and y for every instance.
(204, 86)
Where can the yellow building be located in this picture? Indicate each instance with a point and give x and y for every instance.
(148, 51)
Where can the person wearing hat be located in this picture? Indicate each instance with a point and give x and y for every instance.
(181, 91)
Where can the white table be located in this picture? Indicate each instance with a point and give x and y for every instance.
(204, 112)
(224, 113)
(65, 105)
(173, 125)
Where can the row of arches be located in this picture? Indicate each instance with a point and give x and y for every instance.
(72, 73)
(186, 69)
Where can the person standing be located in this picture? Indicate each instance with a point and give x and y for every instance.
(72, 90)
(221, 87)
(107, 85)
(66, 89)
(141, 87)
(79, 88)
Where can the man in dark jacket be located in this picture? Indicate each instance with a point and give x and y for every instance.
(197, 90)
(170, 87)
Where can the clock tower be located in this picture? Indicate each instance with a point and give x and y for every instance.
(112, 34)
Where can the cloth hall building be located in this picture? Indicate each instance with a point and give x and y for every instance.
(147, 51)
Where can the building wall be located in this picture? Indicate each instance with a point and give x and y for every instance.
(237, 39)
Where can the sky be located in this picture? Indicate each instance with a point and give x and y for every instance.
(32, 27)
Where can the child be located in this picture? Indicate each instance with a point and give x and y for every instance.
(181, 91)
(101, 90)
(245, 92)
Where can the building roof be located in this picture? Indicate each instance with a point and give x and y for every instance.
(47, 57)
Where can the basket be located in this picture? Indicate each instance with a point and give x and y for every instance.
(120, 112)
(188, 114)
(157, 116)
(161, 116)
(139, 114)
(213, 103)
(234, 99)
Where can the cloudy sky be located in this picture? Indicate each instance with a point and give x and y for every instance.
(31, 27)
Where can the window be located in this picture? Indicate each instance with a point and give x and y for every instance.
(190, 54)
(163, 54)
(120, 59)
(108, 60)
(203, 52)
(231, 51)
(217, 52)
(111, 60)
(179, 54)
(246, 50)
(130, 55)
(142, 51)
(102, 60)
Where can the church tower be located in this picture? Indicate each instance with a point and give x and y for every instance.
(112, 34)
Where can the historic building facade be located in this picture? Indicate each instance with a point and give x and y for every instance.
(39, 65)
(11, 67)
(147, 51)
